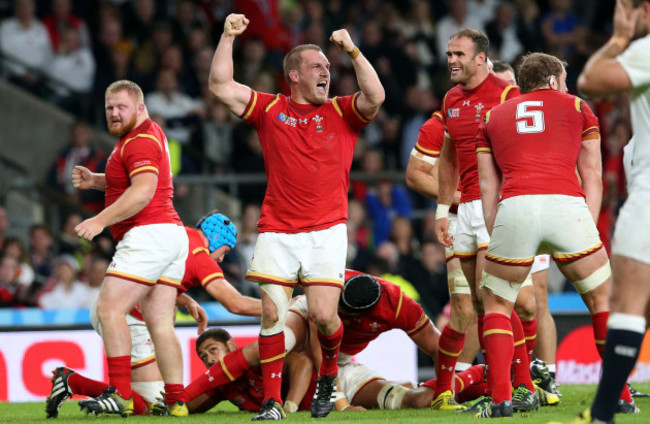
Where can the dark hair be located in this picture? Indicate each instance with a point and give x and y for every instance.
(293, 59)
(360, 293)
(217, 334)
(501, 66)
(535, 69)
(480, 40)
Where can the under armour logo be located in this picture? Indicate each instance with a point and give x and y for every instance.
(330, 356)
(442, 367)
(210, 378)
(466, 103)
(276, 375)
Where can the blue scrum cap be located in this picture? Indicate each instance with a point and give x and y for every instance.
(219, 230)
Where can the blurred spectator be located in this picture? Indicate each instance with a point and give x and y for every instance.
(4, 224)
(384, 265)
(64, 290)
(172, 59)
(265, 22)
(146, 57)
(528, 15)
(247, 234)
(15, 248)
(73, 72)
(502, 32)
(251, 61)
(420, 29)
(401, 234)
(62, 19)
(217, 136)
(187, 17)
(429, 277)
(9, 285)
(179, 110)
(483, 10)
(26, 43)
(248, 158)
(41, 255)
(68, 241)
(140, 21)
(561, 29)
(94, 277)
(78, 152)
(360, 242)
(457, 19)
(421, 104)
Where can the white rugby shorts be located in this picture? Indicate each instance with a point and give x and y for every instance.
(149, 254)
(312, 258)
(471, 234)
(353, 376)
(631, 234)
(556, 224)
(142, 350)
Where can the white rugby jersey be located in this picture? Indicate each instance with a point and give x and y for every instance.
(636, 156)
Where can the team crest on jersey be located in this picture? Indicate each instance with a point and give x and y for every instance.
(287, 120)
(453, 113)
(318, 119)
(479, 107)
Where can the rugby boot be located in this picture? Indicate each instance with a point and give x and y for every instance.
(60, 391)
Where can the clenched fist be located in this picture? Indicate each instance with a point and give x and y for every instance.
(235, 25)
(342, 40)
(82, 178)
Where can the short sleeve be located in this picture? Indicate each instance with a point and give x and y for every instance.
(346, 107)
(482, 141)
(430, 138)
(207, 269)
(590, 127)
(411, 318)
(142, 153)
(257, 105)
(635, 62)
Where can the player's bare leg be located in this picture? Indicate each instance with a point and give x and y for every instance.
(112, 306)
(159, 313)
(592, 279)
(453, 337)
(323, 305)
(543, 368)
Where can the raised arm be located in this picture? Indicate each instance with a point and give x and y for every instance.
(221, 82)
(489, 179)
(372, 92)
(603, 74)
(590, 170)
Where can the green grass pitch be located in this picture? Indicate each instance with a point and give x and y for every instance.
(576, 398)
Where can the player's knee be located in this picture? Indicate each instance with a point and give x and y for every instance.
(526, 308)
(274, 313)
(324, 319)
(594, 280)
(462, 312)
(500, 287)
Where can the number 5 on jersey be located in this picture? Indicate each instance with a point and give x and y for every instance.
(525, 115)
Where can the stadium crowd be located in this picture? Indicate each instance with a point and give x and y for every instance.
(166, 47)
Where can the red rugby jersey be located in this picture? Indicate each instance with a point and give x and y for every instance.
(144, 149)
(393, 310)
(431, 136)
(200, 268)
(536, 139)
(307, 158)
(463, 111)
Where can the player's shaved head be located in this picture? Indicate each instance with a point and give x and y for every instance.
(293, 59)
(130, 87)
